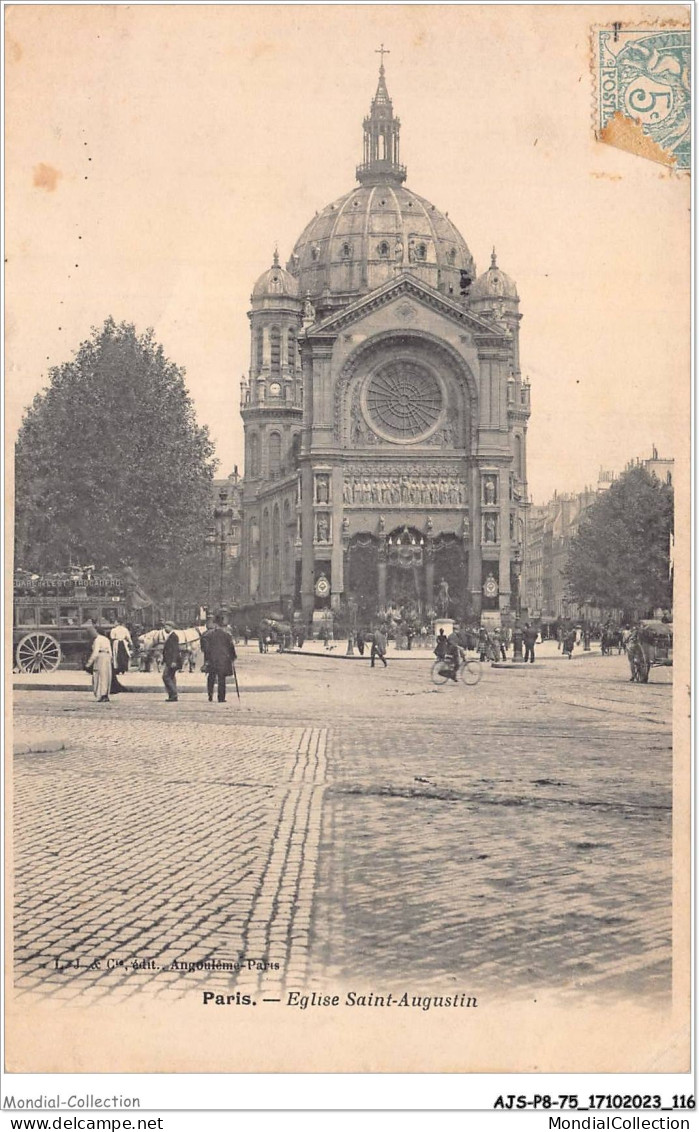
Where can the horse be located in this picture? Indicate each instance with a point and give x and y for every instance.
(151, 644)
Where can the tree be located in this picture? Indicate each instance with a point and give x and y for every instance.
(620, 558)
(111, 466)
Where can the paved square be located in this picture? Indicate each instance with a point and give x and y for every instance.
(362, 827)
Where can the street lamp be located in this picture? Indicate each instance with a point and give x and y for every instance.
(222, 513)
(210, 545)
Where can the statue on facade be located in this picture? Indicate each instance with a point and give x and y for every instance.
(382, 524)
(309, 311)
(322, 528)
(489, 490)
(358, 430)
(490, 527)
(323, 489)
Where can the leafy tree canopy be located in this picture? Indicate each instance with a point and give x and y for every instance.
(620, 556)
(111, 466)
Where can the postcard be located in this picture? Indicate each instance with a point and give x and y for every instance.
(348, 538)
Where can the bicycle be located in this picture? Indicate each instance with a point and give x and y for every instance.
(469, 671)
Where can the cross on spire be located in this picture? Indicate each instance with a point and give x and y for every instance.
(382, 51)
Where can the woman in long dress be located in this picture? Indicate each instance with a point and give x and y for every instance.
(100, 664)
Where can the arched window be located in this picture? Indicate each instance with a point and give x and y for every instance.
(518, 457)
(254, 454)
(421, 251)
(295, 449)
(291, 347)
(276, 541)
(265, 551)
(275, 343)
(259, 348)
(384, 249)
(275, 452)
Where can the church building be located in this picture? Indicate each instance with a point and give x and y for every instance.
(385, 414)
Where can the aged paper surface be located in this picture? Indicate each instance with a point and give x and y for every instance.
(155, 157)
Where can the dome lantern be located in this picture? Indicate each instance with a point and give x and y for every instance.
(381, 137)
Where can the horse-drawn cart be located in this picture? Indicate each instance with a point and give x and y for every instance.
(649, 646)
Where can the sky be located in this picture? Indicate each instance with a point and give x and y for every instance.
(156, 154)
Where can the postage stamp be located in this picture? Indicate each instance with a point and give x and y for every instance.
(643, 91)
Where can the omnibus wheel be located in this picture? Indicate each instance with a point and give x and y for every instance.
(38, 652)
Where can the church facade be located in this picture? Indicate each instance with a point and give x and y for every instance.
(385, 414)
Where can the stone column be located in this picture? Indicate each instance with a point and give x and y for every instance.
(383, 569)
(307, 535)
(429, 573)
(505, 545)
(475, 567)
(337, 563)
(337, 559)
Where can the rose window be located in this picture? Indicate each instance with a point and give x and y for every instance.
(404, 400)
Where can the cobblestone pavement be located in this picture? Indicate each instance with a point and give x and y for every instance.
(364, 828)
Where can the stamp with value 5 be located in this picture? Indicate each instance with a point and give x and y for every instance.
(643, 91)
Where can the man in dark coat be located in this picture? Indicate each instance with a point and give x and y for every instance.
(378, 647)
(171, 661)
(529, 637)
(219, 654)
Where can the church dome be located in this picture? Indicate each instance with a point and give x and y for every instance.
(368, 236)
(494, 284)
(380, 228)
(275, 283)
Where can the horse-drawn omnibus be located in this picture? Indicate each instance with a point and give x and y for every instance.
(50, 611)
(649, 646)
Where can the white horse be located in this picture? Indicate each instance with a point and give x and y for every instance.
(151, 643)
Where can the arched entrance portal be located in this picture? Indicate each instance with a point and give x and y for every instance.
(405, 588)
(361, 574)
(406, 573)
(450, 576)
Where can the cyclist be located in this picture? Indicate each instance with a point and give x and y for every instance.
(452, 656)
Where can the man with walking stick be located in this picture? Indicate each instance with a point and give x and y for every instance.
(219, 655)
